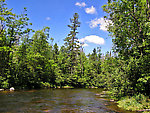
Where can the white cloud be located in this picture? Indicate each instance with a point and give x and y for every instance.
(101, 22)
(48, 18)
(93, 39)
(90, 10)
(80, 4)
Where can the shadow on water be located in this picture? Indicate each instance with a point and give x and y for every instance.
(56, 101)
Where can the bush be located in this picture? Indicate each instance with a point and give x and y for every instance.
(45, 85)
(135, 103)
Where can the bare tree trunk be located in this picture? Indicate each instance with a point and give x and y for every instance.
(147, 4)
(148, 9)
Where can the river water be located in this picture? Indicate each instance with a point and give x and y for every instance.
(56, 101)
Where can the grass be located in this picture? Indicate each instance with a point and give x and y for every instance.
(135, 103)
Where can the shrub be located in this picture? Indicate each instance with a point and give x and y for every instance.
(135, 103)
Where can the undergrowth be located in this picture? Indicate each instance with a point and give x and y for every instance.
(135, 103)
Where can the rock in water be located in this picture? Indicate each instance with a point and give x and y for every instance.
(12, 89)
(1, 89)
(112, 100)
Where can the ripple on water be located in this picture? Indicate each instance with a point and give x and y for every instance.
(54, 101)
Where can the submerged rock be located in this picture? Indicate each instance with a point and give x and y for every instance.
(97, 94)
(145, 110)
(103, 95)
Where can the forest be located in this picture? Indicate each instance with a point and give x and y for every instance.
(30, 59)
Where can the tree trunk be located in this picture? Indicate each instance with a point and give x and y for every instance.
(148, 9)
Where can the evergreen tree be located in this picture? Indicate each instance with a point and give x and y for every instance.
(72, 44)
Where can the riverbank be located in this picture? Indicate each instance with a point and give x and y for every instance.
(136, 103)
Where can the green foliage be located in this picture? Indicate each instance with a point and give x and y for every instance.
(46, 85)
(129, 74)
(12, 28)
(135, 103)
(34, 62)
(72, 44)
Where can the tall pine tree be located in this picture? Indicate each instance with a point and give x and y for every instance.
(72, 43)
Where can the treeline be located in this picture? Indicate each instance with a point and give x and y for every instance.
(36, 61)
(130, 27)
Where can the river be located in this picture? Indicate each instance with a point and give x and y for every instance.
(56, 101)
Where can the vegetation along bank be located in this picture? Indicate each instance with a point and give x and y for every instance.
(37, 62)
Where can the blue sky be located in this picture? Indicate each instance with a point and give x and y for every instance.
(57, 13)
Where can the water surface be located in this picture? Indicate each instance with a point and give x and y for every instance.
(56, 101)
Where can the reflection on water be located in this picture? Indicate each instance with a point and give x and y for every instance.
(55, 101)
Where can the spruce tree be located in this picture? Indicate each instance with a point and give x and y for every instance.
(72, 43)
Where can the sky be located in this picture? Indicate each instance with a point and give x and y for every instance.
(56, 14)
